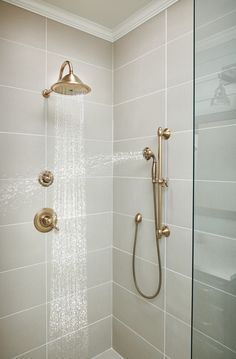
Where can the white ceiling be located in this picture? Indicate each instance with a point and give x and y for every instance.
(109, 13)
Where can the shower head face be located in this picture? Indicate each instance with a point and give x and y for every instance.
(69, 84)
(148, 154)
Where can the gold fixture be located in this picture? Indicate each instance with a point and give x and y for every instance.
(45, 220)
(46, 178)
(69, 84)
(159, 183)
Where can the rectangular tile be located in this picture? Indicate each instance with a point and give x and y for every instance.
(214, 314)
(178, 339)
(99, 231)
(131, 345)
(179, 61)
(98, 158)
(134, 79)
(23, 111)
(15, 23)
(139, 315)
(180, 107)
(179, 250)
(208, 348)
(130, 118)
(99, 267)
(179, 19)
(144, 38)
(22, 66)
(21, 245)
(214, 260)
(147, 276)
(179, 212)
(98, 195)
(87, 342)
(180, 155)
(22, 332)
(123, 237)
(35, 354)
(68, 41)
(178, 296)
(210, 147)
(215, 208)
(20, 200)
(99, 302)
(132, 196)
(25, 156)
(98, 121)
(22, 288)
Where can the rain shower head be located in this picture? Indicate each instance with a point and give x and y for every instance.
(148, 154)
(69, 84)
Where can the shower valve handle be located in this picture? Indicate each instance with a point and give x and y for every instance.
(46, 220)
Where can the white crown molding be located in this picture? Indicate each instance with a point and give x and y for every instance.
(65, 17)
(141, 16)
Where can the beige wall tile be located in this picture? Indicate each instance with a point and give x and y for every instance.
(142, 317)
(25, 156)
(99, 267)
(20, 245)
(180, 155)
(123, 237)
(130, 345)
(23, 111)
(179, 250)
(23, 26)
(179, 61)
(141, 77)
(179, 19)
(178, 339)
(99, 302)
(67, 41)
(144, 38)
(22, 288)
(178, 295)
(139, 118)
(180, 107)
(22, 66)
(147, 276)
(179, 208)
(20, 200)
(88, 342)
(22, 332)
(35, 354)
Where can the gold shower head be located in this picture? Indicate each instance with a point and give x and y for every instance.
(69, 84)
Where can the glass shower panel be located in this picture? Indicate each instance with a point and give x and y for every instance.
(214, 261)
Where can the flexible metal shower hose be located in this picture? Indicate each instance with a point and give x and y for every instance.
(158, 253)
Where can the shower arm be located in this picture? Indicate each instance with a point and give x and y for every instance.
(46, 92)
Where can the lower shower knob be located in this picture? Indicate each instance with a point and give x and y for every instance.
(45, 220)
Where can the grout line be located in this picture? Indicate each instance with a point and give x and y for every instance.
(23, 267)
(139, 297)
(178, 273)
(148, 178)
(23, 310)
(64, 336)
(153, 93)
(215, 127)
(140, 258)
(55, 53)
(150, 136)
(137, 334)
(149, 52)
(215, 20)
(20, 89)
(29, 351)
(215, 235)
(46, 165)
(214, 340)
(179, 320)
(51, 301)
(212, 287)
(166, 193)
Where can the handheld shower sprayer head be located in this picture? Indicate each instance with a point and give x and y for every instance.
(148, 154)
